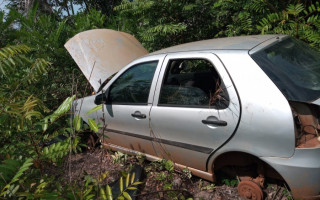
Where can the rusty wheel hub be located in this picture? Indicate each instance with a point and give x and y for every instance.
(250, 190)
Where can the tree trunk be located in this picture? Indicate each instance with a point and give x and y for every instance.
(71, 5)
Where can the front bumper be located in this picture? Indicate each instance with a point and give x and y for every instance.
(301, 172)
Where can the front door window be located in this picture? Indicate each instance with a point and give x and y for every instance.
(133, 86)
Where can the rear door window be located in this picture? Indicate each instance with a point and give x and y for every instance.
(192, 83)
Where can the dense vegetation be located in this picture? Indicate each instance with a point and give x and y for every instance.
(37, 74)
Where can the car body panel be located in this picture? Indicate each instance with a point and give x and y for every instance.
(266, 127)
(230, 43)
(183, 124)
(100, 53)
(127, 131)
(121, 127)
(301, 172)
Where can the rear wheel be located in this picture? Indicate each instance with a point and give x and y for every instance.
(249, 170)
(250, 190)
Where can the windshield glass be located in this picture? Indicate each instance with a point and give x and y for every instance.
(294, 67)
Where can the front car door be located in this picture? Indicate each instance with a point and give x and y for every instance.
(129, 101)
(196, 108)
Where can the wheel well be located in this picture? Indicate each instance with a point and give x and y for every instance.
(90, 139)
(244, 164)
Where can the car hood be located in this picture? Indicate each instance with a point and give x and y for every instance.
(100, 53)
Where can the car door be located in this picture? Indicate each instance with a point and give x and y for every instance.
(129, 100)
(196, 108)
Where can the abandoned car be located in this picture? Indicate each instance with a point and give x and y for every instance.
(248, 106)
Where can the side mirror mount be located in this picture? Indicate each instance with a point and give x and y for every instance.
(101, 98)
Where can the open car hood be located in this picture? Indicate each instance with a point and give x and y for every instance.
(99, 53)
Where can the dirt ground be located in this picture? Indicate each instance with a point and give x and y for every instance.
(158, 183)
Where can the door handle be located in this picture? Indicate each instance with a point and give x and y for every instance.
(137, 114)
(217, 122)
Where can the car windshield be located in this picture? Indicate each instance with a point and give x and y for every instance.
(294, 67)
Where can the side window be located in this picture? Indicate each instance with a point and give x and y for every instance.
(133, 86)
(192, 83)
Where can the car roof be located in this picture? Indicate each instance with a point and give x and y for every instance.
(228, 43)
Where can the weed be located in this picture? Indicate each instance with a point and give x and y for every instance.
(119, 157)
(168, 165)
(141, 158)
(186, 173)
(230, 182)
(287, 193)
(208, 187)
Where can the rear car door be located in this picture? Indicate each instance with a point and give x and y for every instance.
(196, 108)
(129, 101)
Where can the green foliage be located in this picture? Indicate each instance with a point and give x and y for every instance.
(162, 172)
(163, 165)
(99, 107)
(45, 36)
(130, 184)
(119, 157)
(77, 122)
(168, 165)
(297, 20)
(11, 171)
(287, 194)
(208, 187)
(163, 23)
(6, 27)
(159, 24)
(13, 181)
(104, 6)
(61, 110)
(94, 188)
(10, 56)
(230, 182)
(186, 173)
(92, 20)
(93, 126)
(19, 107)
(17, 70)
(57, 151)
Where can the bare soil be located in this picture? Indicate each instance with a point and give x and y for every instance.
(158, 183)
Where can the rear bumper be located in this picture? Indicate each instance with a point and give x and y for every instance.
(301, 172)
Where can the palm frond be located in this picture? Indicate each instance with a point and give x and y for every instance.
(11, 55)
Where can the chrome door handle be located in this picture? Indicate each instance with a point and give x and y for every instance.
(217, 123)
(138, 115)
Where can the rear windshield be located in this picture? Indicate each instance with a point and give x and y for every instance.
(294, 67)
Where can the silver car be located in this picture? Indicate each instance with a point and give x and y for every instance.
(248, 106)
